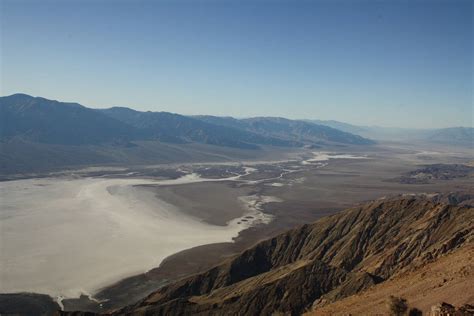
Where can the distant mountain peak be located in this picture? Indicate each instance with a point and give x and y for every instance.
(19, 95)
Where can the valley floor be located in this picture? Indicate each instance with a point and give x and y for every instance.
(292, 192)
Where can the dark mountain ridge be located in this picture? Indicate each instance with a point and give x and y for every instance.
(295, 130)
(181, 129)
(41, 135)
(319, 263)
(47, 121)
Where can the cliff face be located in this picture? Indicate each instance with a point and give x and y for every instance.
(326, 261)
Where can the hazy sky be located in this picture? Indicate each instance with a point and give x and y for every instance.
(390, 63)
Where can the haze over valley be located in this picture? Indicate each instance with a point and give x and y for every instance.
(200, 192)
(236, 158)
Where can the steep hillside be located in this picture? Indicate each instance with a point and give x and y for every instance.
(41, 120)
(182, 129)
(346, 127)
(46, 121)
(326, 261)
(39, 135)
(303, 131)
(295, 130)
(448, 279)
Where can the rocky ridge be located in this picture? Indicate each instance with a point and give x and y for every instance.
(323, 262)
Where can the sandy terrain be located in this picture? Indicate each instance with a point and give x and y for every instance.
(449, 279)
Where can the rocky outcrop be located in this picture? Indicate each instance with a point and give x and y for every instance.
(353, 284)
(446, 309)
(442, 309)
(333, 258)
(465, 310)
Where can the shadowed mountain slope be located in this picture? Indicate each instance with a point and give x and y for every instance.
(47, 121)
(52, 122)
(37, 135)
(295, 130)
(328, 260)
(448, 279)
(181, 129)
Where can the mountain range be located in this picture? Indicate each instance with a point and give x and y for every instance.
(47, 121)
(461, 136)
(39, 134)
(292, 130)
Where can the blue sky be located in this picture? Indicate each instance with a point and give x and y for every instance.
(389, 63)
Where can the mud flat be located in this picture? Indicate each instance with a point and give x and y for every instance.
(216, 203)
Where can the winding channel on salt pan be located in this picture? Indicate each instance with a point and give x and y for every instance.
(71, 236)
(65, 237)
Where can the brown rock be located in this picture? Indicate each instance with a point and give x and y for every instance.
(328, 260)
(442, 309)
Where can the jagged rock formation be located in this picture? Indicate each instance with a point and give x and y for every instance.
(319, 263)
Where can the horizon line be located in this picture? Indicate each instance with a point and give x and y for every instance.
(243, 117)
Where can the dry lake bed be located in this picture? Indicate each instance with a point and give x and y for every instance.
(81, 233)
